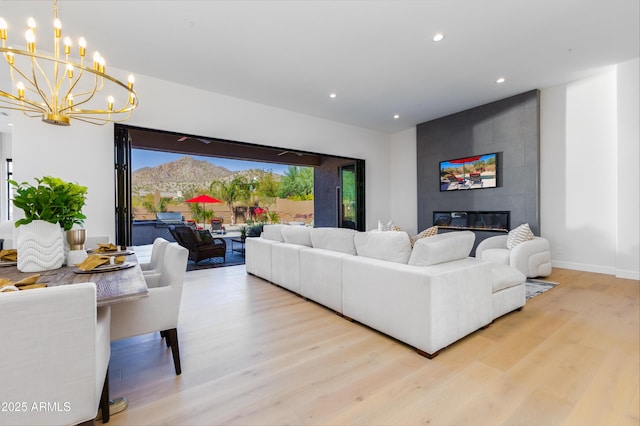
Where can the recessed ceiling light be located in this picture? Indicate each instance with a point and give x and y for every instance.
(332, 95)
(395, 117)
(9, 124)
(438, 37)
(501, 80)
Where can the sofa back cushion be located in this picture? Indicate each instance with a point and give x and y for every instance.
(273, 232)
(335, 239)
(442, 248)
(390, 246)
(300, 235)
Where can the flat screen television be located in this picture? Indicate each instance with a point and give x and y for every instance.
(474, 172)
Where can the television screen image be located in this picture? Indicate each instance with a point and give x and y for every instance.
(474, 172)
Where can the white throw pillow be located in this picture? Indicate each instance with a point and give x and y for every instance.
(273, 232)
(519, 235)
(300, 235)
(335, 239)
(390, 246)
(442, 248)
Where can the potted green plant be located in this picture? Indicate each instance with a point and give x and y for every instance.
(49, 206)
(52, 200)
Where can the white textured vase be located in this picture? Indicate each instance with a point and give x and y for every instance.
(40, 247)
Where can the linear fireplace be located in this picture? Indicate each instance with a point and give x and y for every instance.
(492, 221)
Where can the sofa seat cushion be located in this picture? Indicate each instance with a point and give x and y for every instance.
(389, 246)
(504, 276)
(321, 276)
(442, 248)
(334, 239)
(285, 265)
(496, 255)
(300, 235)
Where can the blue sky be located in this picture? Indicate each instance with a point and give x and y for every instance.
(141, 158)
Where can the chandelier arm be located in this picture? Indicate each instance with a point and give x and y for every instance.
(34, 65)
(20, 105)
(20, 102)
(69, 92)
(89, 94)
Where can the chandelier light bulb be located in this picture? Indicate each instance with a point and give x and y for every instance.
(110, 103)
(67, 46)
(3, 29)
(70, 71)
(82, 45)
(20, 87)
(70, 100)
(31, 40)
(31, 23)
(57, 28)
(131, 80)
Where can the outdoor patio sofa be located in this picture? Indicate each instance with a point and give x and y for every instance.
(428, 296)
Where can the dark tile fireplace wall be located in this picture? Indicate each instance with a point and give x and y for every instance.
(510, 127)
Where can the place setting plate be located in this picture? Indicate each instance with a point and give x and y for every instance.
(106, 268)
(112, 253)
(8, 263)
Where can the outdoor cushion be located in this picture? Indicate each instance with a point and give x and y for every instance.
(442, 248)
(390, 246)
(300, 235)
(273, 232)
(336, 239)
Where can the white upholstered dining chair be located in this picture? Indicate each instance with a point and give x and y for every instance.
(159, 311)
(157, 256)
(54, 355)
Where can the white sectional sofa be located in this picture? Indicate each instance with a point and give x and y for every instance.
(428, 296)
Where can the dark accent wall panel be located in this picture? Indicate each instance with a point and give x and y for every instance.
(510, 127)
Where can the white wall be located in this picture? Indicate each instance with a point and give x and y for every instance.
(84, 153)
(583, 192)
(628, 167)
(403, 198)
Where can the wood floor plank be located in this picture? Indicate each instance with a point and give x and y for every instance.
(254, 353)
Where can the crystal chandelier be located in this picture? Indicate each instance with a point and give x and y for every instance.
(59, 88)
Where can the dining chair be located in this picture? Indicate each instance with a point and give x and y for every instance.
(54, 356)
(157, 255)
(159, 311)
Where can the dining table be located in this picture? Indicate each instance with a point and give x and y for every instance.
(114, 283)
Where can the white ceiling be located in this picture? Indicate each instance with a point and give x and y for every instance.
(377, 56)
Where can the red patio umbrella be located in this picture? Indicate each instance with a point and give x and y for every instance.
(203, 199)
(465, 160)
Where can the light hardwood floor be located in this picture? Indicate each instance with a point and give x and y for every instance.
(256, 354)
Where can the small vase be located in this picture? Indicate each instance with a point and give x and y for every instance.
(76, 253)
(40, 247)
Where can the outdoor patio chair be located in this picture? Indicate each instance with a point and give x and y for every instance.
(201, 244)
(216, 226)
(475, 178)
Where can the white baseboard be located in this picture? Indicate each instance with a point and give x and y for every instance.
(598, 269)
(630, 275)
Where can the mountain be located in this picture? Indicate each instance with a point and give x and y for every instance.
(178, 174)
(184, 173)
